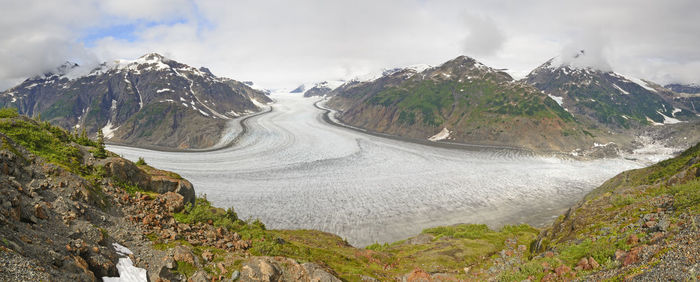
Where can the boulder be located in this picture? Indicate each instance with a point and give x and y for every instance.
(183, 254)
(283, 269)
(260, 269)
(163, 184)
(174, 202)
(200, 276)
(124, 170)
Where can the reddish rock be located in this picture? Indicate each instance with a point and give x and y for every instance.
(522, 248)
(39, 212)
(656, 236)
(546, 267)
(222, 268)
(549, 277)
(174, 202)
(562, 270)
(632, 239)
(181, 253)
(650, 224)
(149, 219)
(418, 275)
(620, 255)
(632, 257)
(549, 254)
(583, 264)
(594, 264)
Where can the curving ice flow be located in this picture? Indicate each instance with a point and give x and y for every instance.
(293, 170)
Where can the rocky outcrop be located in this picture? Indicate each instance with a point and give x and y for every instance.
(283, 269)
(148, 178)
(51, 219)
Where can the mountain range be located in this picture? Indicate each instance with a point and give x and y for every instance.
(562, 107)
(150, 101)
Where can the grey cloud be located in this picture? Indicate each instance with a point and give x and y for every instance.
(484, 37)
(283, 43)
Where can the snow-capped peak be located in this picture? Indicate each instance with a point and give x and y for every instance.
(579, 60)
(372, 76)
(332, 84)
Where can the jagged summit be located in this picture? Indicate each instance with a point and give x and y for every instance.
(153, 57)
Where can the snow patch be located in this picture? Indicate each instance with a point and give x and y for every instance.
(203, 113)
(596, 144)
(675, 110)
(668, 120)
(114, 105)
(653, 122)
(559, 100)
(164, 90)
(621, 90)
(121, 250)
(640, 82)
(442, 135)
(109, 129)
(127, 272)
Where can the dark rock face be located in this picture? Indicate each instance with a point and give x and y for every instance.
(688, 95)
(148, 101)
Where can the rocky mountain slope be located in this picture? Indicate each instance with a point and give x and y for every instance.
(68, 214)
(609, 99)
(462, 100)
(150, 101)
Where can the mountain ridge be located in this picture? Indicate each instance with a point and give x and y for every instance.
(151, 100)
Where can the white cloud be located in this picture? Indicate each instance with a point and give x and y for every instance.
(283, 43)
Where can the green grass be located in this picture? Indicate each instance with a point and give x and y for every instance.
(686, 196)
(185, 268)
(46, 141)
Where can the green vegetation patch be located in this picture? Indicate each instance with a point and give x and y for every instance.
(46, 141)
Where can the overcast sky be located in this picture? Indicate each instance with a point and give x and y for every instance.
(283, 43)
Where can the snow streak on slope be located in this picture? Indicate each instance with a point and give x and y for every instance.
(293, 170)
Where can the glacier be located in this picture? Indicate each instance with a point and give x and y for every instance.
(292, 170)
